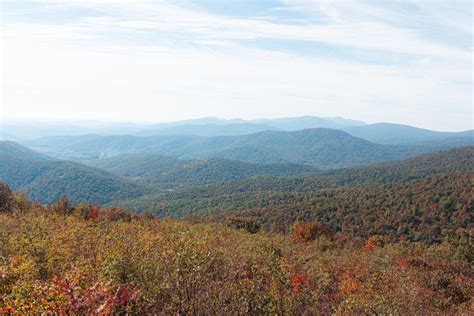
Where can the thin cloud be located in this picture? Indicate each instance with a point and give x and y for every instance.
(347, 24)
(160, 61)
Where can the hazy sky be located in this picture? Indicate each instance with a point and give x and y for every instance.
(143, 60)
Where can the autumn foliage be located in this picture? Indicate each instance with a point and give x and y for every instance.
(65, 259)
(308, 231)
(374, 242)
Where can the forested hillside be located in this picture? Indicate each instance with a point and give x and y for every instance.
(424, 210)
(131, 176)
(13, 151)
(167, 172)
(46, 180)
(455, 160)
(422, 198)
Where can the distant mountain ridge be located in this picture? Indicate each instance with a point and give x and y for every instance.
(308, 122)
(18, 131)
(389, 133)
(320, 147)
(222, 127)
(382, 133)
(209, 130)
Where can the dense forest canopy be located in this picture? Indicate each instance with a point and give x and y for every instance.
(169, 172)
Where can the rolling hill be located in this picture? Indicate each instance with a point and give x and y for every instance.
(164, 171)
(12, 151)
(427, 196)
(459, 161)
(46, 180)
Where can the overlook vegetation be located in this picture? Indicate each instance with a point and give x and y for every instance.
(86, 259)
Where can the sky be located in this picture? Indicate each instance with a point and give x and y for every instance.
(403, 61)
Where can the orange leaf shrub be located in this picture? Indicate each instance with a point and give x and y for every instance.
(298, 282)
(308, 231)
(374, 242)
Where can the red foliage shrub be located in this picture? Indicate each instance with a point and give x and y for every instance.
(98, 298)
(88, 212)
(115, 214)
(298, 282)
(374, 242)
(307, 231)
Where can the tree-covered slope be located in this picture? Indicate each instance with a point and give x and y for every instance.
(47, 180)
(453, 160)
(432, 188)
(11, 150)
(423, 209)
(456, 160)
(164, 171)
